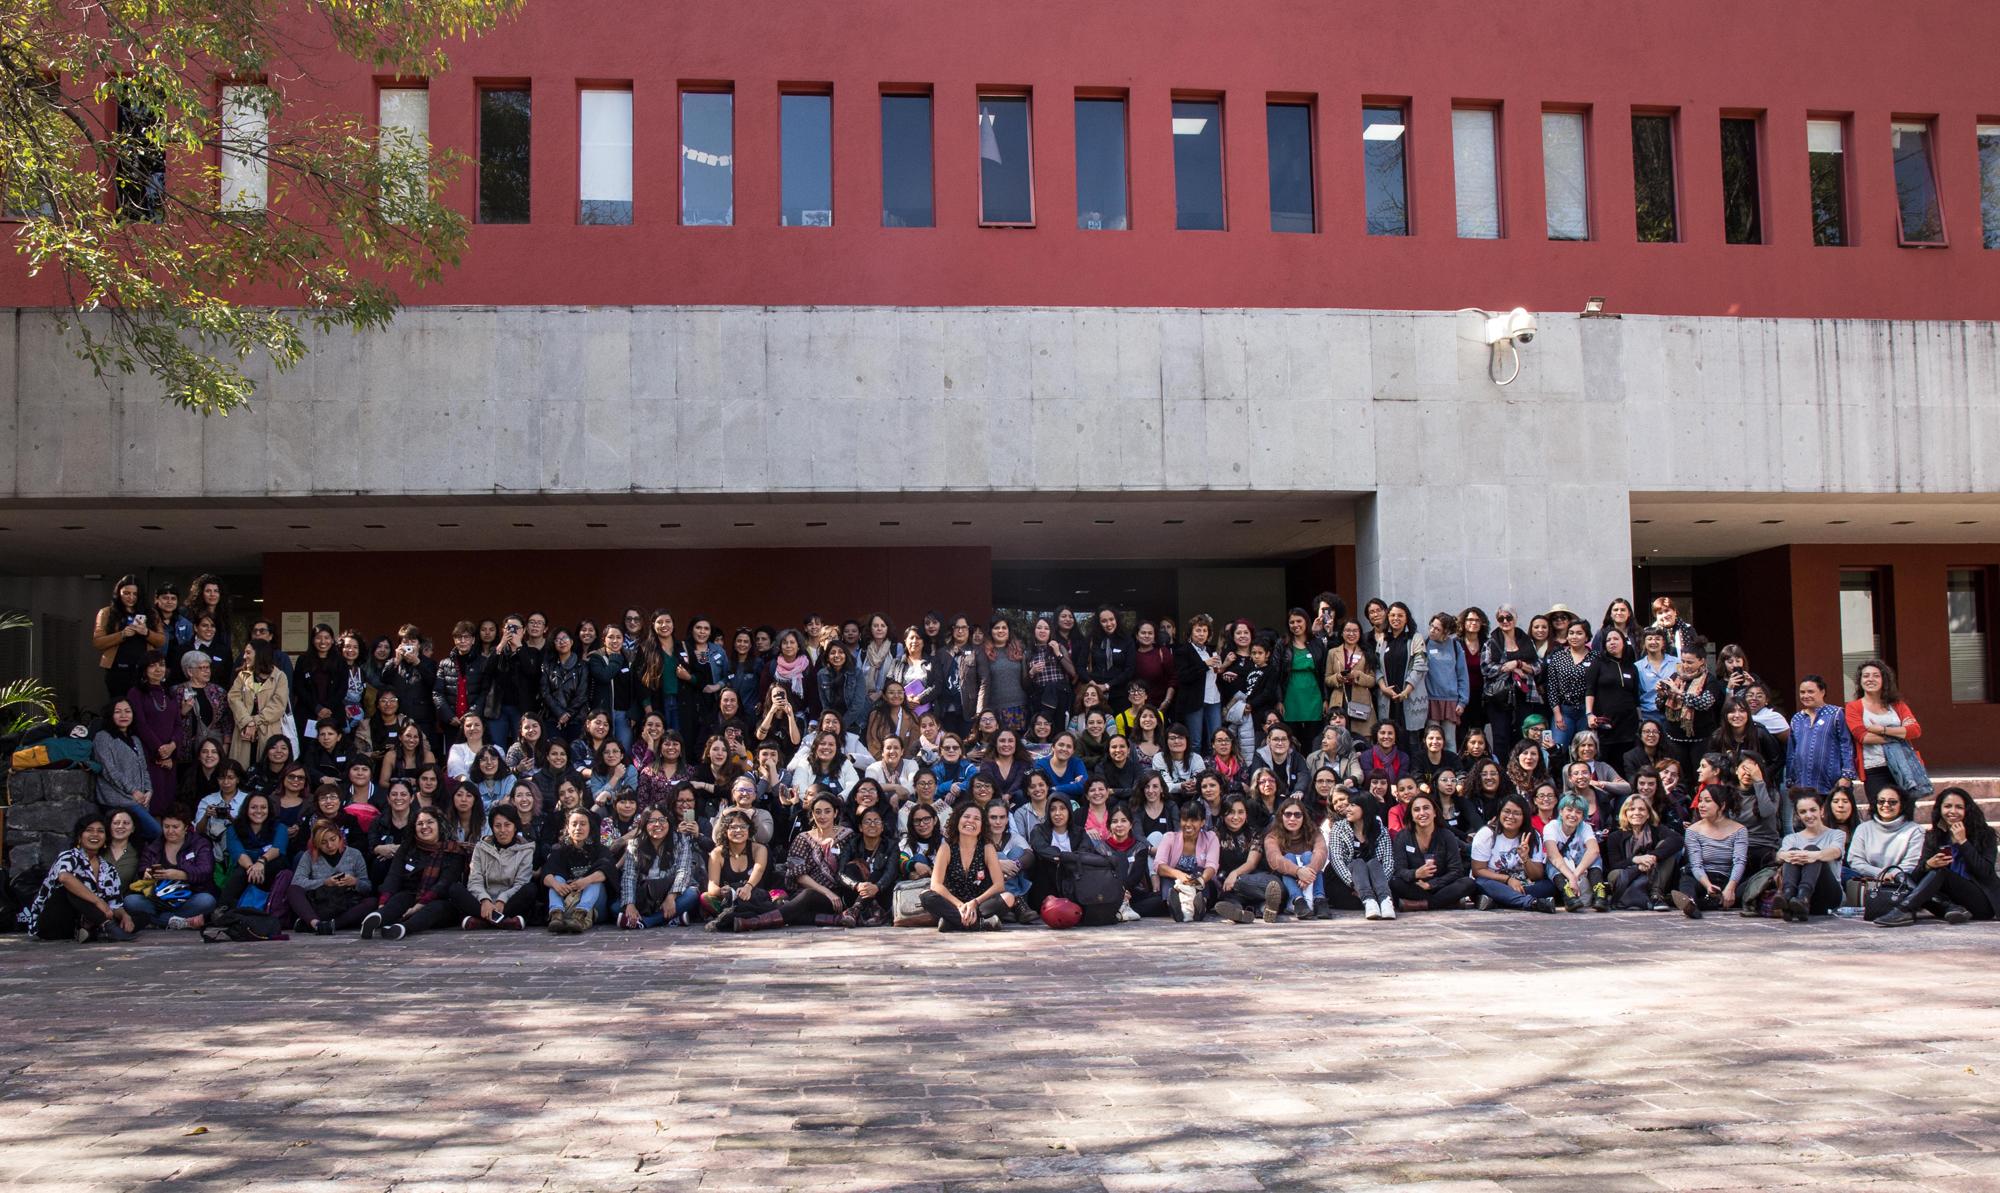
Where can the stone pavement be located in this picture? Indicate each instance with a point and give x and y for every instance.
(1459, 1051)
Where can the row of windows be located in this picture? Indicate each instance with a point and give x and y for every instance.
(1867, 626)
(1103, 201)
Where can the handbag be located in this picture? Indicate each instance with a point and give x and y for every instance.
(1879, 898)
(1905, 767)
(907, 901)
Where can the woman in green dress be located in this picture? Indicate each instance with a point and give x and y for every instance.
(1302, 660)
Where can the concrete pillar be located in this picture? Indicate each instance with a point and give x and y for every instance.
(1437, 547)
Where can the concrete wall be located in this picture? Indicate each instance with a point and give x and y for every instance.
(1478, 491)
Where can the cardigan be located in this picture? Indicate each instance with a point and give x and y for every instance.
(1855, 729)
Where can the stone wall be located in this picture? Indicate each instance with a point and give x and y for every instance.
(43, 809)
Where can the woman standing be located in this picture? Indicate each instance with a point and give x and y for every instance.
(122, 634)
(841, 689)
(124, 781)
(660, 671)
(1402, 670)
(257, 701)
(1350, 679)
(156, 721)
(1564, 671)
(1197, 690)
(1051, 674)
(1153, 665)
(1883, 727)
(1447, 678)
(565, 686)
(611, 684)
(1611, 697)
(319, 683)
(203, 708)
(1472, 627)
(1301, 661)
(878, 651)
(1002, 677)
(1511, 669)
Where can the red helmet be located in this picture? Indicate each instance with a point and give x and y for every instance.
(1061, 913)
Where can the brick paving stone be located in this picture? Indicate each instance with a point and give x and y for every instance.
(1487, 1053)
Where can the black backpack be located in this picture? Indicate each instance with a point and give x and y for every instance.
(230, 924)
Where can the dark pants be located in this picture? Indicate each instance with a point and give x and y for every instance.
(1637, 890)
(945, 911)
(1949, 887)
(1875, 778)
(300, 902)
(465, 903)
(1816, 882)
(1248, 890)
(1691, 887)
(119, 680)
(65, 912)
(1437, 898)
(805, 907)
(1149, 905)
(403, 908)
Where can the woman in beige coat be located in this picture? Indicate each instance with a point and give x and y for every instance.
(1350, 680)
(257, 702)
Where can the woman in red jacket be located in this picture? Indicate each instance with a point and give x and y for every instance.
(1876, 717)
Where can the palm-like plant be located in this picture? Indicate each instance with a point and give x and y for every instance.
(24, 703)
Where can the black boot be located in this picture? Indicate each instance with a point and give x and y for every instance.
(757, 923)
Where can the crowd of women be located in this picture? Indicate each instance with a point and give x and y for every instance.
(966, 776)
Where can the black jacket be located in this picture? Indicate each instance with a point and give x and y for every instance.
(1190, 683)
(609, 684)
(565, 691)
(1620, 851)
(1113, 661)
(1405, 856)
(412, 683)
(317, 684)
(475, 670)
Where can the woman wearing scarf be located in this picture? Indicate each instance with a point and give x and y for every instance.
(415, 893)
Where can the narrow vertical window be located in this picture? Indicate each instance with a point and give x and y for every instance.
(1288, 135)
(1989, 184)
(246, 140)
(1863, 619)
(403, 115)
(1654, 198)
(708, 158)
(505, 124)
(1965, 627)
(1826, 163)
(805, 160)
(1916, 183)
(1742, 204)
(906, 162)
(1198, 203)
(1101, 201)
(1382, 140)
(1475, 171)
(1006, 167)
(139, 165)
(1565, 176)
(604, 163)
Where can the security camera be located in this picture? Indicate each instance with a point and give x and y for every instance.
(1516, 325)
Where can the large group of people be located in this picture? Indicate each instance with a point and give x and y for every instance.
(969, 775)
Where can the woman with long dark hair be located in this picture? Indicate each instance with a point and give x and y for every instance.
(1957, 882)
(123, 633)
(80, 897)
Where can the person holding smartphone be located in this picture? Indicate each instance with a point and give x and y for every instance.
(1956, 880)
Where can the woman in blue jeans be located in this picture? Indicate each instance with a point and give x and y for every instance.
(1294, 850)
(1507, 862)
(176, 857)
(660, 883)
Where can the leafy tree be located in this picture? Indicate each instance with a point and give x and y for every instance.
(24, 703)
(114, 134)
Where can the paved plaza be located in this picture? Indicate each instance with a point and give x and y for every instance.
(1456, 1051)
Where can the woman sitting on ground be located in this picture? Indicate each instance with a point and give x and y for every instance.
(178, 856)
(80, 898)
(1427, 863)
(1015, 862)
(1357, 854)
(1640, 858)
(869, 864)
(1244, 882)
(1810, 879)
(576, 875)
(1958, 881)
(1571, 847)
(736, 871)
(499, 889)
(255, 846)
(330, 885)
(1887, 848)
(812, 872)
(1297, 855)
(1717, 850)
(1186, 867)
(415, 897)
(1507, 861)
(1132, 857)
(966, 886)
(1061, 847)
(658, 883)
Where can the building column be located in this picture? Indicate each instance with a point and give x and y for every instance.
(1528, 544)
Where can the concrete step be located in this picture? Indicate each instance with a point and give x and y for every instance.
(1984, 788)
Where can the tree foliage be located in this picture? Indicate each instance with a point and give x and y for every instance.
(112, 141)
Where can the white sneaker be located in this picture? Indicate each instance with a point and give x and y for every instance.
(1388, 907)
(1371, 910)
(1126, 915)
